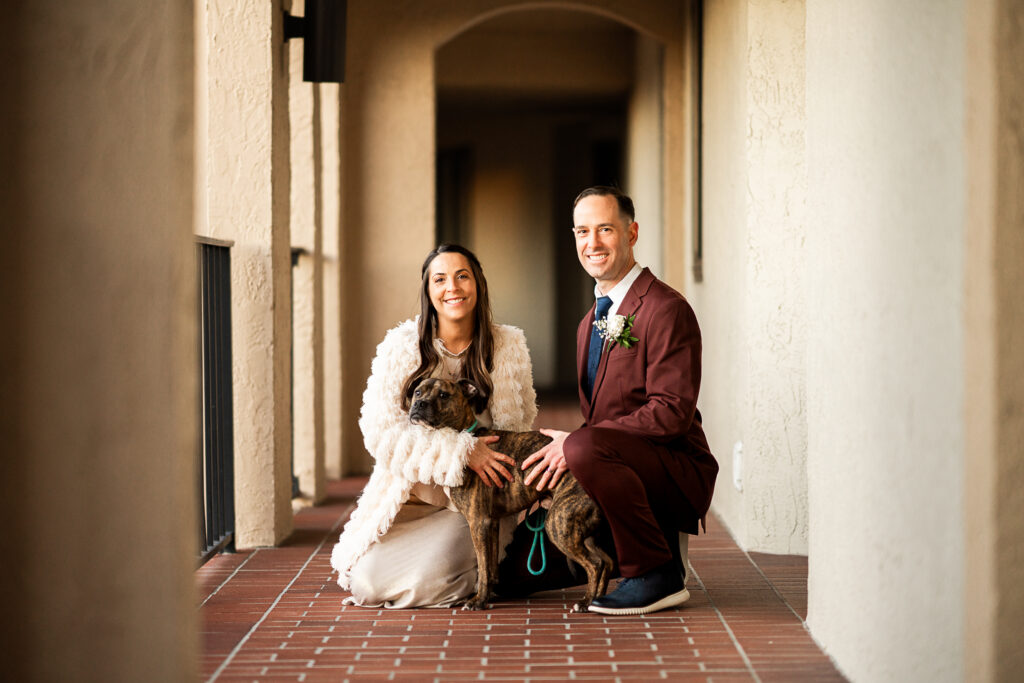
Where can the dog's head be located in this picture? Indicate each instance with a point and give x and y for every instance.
(441, 403)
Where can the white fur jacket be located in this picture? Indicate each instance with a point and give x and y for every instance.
(406, 453)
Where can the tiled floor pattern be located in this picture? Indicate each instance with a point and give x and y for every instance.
(275, 614)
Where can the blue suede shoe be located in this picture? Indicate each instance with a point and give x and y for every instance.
(658, 589)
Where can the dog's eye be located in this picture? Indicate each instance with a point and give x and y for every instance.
(443, 394)
(416, 393)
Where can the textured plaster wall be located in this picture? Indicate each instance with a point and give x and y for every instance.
(885, 381)
(644, 153)
(388, 161)
(330, 210)
(720, 302)
(994, 357)
(98, 362)
(680, 135)
(307, 234)
(243, 185)
(751, 304)
(388, 190)
(775, 448)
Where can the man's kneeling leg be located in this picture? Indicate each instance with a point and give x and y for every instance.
(623, 473)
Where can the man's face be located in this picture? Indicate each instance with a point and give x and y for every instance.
(604, 241)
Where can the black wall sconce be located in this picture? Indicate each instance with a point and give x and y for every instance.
(323, 33)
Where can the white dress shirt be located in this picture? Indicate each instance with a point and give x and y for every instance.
(618, 292)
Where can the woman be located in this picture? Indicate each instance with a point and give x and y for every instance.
(405, 545)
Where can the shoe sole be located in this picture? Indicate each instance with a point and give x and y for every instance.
(666, 602)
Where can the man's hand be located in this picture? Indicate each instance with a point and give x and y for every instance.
(552, 461)
(488, 464)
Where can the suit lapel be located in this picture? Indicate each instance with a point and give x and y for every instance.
(630, 305)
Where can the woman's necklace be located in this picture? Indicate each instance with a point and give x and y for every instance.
(451, 362)
(444, 347)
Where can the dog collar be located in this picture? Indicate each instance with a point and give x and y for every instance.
(473, 426)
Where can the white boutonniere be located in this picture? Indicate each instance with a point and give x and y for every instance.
(617, 329)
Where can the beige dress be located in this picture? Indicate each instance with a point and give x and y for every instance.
(426, 558)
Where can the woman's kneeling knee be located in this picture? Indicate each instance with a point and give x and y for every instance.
(364, 583)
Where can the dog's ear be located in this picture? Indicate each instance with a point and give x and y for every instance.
(469, 388)
(477, 398)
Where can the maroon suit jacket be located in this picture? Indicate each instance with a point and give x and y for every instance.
(650, 390)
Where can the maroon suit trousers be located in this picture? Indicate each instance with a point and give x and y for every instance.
(626, 475)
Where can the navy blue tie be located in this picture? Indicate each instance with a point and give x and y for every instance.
(594, 354)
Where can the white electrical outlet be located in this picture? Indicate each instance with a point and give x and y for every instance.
(737, 465)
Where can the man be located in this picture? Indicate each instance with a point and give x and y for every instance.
(641, 453)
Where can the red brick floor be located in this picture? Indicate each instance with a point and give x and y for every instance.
(275, 614)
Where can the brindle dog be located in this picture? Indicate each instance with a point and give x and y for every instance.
(572, 521)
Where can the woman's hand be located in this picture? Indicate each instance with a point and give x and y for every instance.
(488, 464)
(552, 461)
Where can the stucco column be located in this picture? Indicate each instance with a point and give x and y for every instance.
(994, 358)
(98, 364)
(885, 361)
(751, 303)
(681, 152)
(775, 438)
(307, 276)
(330, 216)
(387, 129)
(243, 187)
(644, 146)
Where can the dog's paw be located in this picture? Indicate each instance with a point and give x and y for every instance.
(581, 606)
(474, 605)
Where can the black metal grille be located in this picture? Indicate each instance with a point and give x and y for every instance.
(216, 451)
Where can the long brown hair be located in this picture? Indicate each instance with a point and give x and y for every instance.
(479, 360)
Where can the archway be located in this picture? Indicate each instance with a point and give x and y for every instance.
(388, 109)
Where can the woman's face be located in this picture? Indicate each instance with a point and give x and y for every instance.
(452, 287)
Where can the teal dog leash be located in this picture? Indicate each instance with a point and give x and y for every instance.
(537, 527)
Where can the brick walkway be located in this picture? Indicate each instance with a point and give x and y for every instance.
(275, 614)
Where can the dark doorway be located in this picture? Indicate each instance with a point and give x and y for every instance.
(454, 185)
(586, 153)
(532, 107)
(535, 157)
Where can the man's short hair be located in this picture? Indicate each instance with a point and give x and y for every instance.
(621, 198)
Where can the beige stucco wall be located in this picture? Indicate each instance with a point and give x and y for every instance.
(242, 190)
(680, 141)
(388, 169)
(751, 303)
(307, 235)
(885, 380)
(644, 146)
(720, 300)
(776, 444)
(98, 356)
(495, 57)
(330, 211)
(994, 357)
